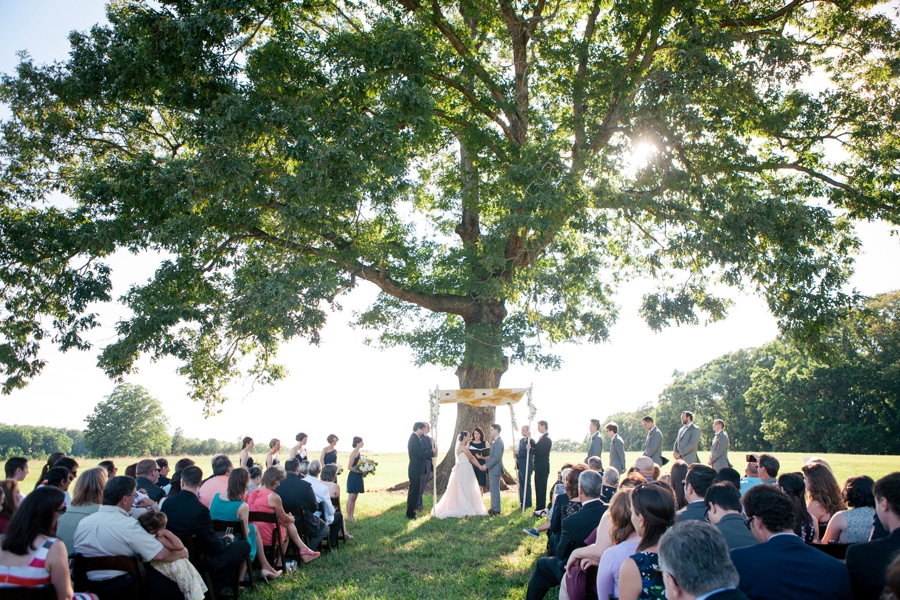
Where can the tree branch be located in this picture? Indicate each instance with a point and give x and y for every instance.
(757, 21)
(440, 303)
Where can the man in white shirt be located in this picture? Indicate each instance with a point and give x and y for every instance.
(111, 532)
(334, 520)
(694, 561)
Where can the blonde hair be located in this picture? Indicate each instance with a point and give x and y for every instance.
(89, 487)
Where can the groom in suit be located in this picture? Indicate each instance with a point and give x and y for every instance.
(494, 467)
(417, 458)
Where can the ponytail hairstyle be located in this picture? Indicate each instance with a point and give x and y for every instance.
(51, 462)
(462, 435)
(247, 440)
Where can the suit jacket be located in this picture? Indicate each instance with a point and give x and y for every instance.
(653, 445)
(867, 563)
(429, 450)
(785, 567)
(695, 511)
(494, 464)
(296, 492)
(417, 456)
(541, 453)
(732, 594)
(523, 452)
(576, 528)
(617, 453)
(155, 492)
(718, 452)
(187, 517)
(687, 442)
(596, 446)
(736, 533)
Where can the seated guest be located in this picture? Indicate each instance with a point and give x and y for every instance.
(255, 478)
(559, 499)
(264, 499)
(854, 525)
(68, 463)
(723, 507)
(823, 493)
(30, 555)
(694, 561)
(111, 532)
(610, 484)
(181, 571)
(652, 512)
(565, 505)
(131, 471)
(189, 518)
(61, 478)
(549, 571)
(730, 475)
(751, 475)
(679, 473)
(804, 525)
(867, 562)
(163, 465)
(781, 565)
(230, 506)
(51, 462)
(175, 481)
(110, 467)
(625, 540)
(334, 520)
(329, 478)
(892, 576)
(644, 465)
(86, 500)
(16, 468)
(699, 478)
(768, 469)
(218, 483)
(11, 501)
(298, 493)
(595, 463)
(147, 476)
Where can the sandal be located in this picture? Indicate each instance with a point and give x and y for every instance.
(307, 552)
(267, 574)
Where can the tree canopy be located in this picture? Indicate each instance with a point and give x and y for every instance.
(130, 422)
(470, 159)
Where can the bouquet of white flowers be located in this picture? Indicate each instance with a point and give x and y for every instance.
(366, 466)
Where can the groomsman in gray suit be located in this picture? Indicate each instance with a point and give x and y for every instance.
(653, 445)
(495, 469)
(688, 439)
(718, 452)
(616, 448)
(595, 448)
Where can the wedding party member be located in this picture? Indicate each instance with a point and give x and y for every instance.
(804, 523)
(541, 453)
(723, 506)
(298, 450)
(272, 456)
(478, 444)
(595, 446)
(264, 499)
(823, 494)
(329, 452)
(616, 447)
(494, 466)
(855, 524)
(462, 497)
(694, 561)
(652, 513)
(653, 443)
(417, 458)
(718, 451)
(688, 440)
(868, 562)
(524, 467)
(244, 459)
(355, 483)
(86, 500)
(329, 478)
(431, 450)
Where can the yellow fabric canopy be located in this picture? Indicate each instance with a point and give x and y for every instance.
(484, 398)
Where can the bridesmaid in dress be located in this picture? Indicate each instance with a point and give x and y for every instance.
(355, 485)
(329, 453)
(478, 443)
(272, 456)
(245, 460)
(299, 449)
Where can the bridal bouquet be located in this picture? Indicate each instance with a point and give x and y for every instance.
(366, 466)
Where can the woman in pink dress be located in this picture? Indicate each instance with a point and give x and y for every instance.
(264, 499)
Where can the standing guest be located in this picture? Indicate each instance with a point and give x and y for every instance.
(541, 452)
(298, 450)
(355, 484)
(272, 456)
(180, 466)
(718, 451)
(430, 449)
(255, 478)
(244, 459)
(751, 474)
(804, 523)
(329, 452)
(688, 439)
(147, 476)
(297, 493)
(325, 511)
(111, 532)
(625, 540)
(86, 500)
(218, 483)
(525, 467)
(768, 469)
(329, 478)
(190, 518)
(616, 447)
(652, 513)
(723, 507)
(653, 443)
(16, 469)
(868, 562)
(494, 466)
(163, 480)
(695, 564)
(110, 467)
(51, 462)
(595, 447)
(699, 479)
(30, 555)
(417, 458)
(679, 474)
(11, 501)
(478, 444)
(855, 524)
(781, 565)
(823, 494)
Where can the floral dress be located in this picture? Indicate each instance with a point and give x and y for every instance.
(652, 586)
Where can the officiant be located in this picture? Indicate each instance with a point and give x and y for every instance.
(477, 447)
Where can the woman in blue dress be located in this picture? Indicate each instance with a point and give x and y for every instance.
(329, 452)
(652, 513)
(355, 485)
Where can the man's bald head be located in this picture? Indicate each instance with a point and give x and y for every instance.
(644, 465)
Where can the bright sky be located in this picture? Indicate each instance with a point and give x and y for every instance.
(346, 388)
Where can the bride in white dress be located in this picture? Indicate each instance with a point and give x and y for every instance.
(463, 496)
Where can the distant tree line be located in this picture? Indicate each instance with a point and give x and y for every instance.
(842, 398)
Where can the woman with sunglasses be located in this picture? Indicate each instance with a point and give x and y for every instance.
(30, 555)
(652, 513)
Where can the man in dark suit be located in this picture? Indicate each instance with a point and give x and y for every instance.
(549, 571)
(868, 562)
(297, 493)
(525, 467)
(693, 558)
(429, 465)
(699, 478)
(781, 565)
(417, 458)
(188, 518)
(541, 452)
(147, 473)
(723, 507)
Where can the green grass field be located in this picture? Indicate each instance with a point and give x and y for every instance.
(392, 557)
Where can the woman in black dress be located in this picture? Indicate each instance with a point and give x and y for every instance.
(479, 444)
(355, 485)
